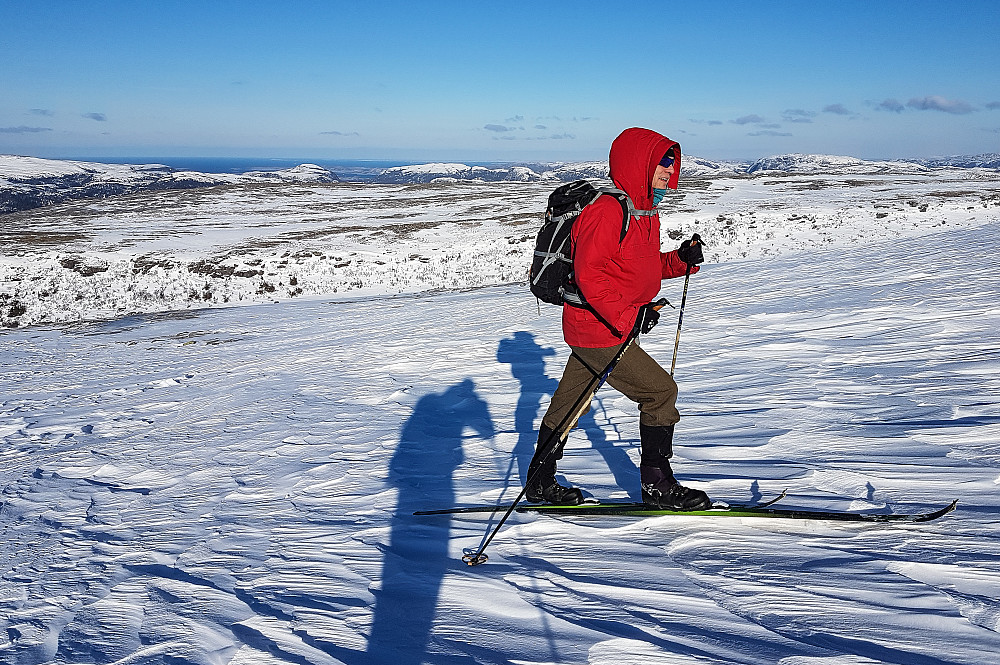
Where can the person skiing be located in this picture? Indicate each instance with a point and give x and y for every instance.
(618, 277)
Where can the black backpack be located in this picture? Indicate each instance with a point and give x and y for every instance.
(551, 274)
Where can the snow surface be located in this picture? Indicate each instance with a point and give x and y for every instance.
(235, 484)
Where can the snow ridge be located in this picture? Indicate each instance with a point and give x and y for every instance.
(985, 161)
(30, 182)
(831, 164)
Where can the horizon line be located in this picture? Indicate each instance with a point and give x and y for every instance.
(128, 159)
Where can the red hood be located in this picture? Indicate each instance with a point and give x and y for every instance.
(634, 156)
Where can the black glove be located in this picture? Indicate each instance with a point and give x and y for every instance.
(647, 318)
(690, 251)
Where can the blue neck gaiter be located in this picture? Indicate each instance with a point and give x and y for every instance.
(658, 195)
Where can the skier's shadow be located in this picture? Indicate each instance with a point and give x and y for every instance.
(416, 559)
(527, 364)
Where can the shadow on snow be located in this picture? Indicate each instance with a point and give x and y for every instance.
(527, 363)
(416, 559)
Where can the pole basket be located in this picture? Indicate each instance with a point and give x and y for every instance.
(473, 557)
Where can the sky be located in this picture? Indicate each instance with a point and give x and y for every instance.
(497, 81)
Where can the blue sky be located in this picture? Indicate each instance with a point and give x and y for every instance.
(497, 81)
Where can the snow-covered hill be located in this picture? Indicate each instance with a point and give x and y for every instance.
(235, 485)
(30, 182)
(555, 172)
(833, 165)
(424, 173)
(691, 166)
(985, 161)
(268, 240)
(840, 165)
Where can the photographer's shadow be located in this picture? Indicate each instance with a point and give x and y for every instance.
(416, 559)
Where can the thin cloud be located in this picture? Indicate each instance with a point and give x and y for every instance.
(836, 109)
(516, 118)
(24, 130)
(43, 112)
(541, 127)
(769, 132)
(550, 137)
(798, 115)
(336, 133)
(752, 119)
(706, 122)
(937, 103)
(993, 106)
(99, 117)
(500, 129)
(892, 105)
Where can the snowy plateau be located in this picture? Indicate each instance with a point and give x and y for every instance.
(220, 406)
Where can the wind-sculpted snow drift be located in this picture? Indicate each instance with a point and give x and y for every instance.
(236, 485)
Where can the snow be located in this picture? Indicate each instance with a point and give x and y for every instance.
(29, 182)
(16, 169)
(235, 484)
(13, 167)
(799, 163)
(273, 241)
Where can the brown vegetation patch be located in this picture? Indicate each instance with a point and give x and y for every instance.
(82, 266)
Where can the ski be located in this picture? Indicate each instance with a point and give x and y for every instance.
(594, 503)
(594, 508)
(642, 510)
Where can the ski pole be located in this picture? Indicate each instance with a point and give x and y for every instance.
(680, 319)
(697, 258)
(578, 409)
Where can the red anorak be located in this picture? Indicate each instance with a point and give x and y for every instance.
(616, 278)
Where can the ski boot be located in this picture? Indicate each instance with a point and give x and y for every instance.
(542, 485)
(659, 487)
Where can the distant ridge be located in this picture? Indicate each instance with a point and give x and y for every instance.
(833, 164)
(31, 182)
(984, 161)
(690, 166)
(841, 165)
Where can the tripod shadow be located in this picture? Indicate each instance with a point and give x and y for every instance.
(527, 364)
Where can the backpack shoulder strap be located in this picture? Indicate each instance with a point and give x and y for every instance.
(628, 209)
